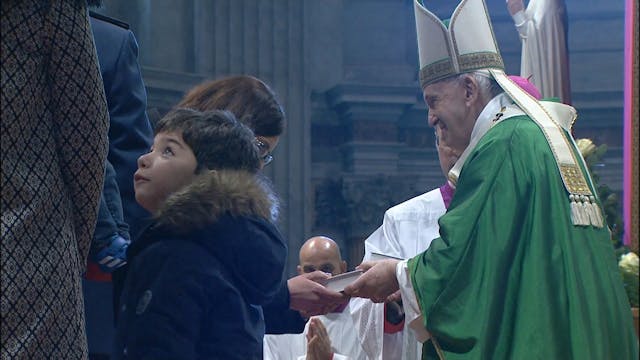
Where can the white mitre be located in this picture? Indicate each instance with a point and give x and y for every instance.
(467, 44)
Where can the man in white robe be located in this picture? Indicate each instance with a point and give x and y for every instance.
(407, 230)
(354, 332)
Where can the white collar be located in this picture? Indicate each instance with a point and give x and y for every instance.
(482, 125)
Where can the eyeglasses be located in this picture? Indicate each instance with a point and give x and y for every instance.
(263, 151)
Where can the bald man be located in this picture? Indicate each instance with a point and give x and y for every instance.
(321, 253)
(354, 332)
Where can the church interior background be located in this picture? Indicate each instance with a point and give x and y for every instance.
(357, 140)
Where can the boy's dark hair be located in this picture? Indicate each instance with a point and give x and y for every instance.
(217, 139)
(249, 99)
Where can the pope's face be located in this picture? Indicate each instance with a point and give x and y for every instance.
(450, 112)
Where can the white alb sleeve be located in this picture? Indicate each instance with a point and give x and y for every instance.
(412, 312)
(520, 20)
(335, 357)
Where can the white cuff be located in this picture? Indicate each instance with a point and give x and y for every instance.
(519, 18)
(413, 316)
(336, 356)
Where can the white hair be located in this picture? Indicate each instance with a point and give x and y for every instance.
(486, 83)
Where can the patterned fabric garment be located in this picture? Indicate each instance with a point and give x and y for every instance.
(54, 142)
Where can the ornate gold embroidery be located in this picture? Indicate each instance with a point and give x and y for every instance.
(499, 115)
(436, 71)
(479, 60)
(467, 62)
(574, 179)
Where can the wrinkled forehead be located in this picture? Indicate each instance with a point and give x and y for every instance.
(441, 85)
(439, 89)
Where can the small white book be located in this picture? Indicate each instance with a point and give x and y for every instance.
(378, 256)
(339, 282)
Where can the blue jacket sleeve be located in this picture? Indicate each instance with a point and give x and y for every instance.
(130, 133)
(278, 318)
(110, 221)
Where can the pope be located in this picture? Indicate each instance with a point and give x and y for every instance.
(523, 267)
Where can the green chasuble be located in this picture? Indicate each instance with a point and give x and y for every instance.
(511, 277)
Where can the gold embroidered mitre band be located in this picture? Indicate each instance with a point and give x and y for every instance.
(467, 44)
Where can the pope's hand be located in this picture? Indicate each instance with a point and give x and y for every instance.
(378, 281)
(310, 298)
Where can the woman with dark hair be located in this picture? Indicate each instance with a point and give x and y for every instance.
(250, 100)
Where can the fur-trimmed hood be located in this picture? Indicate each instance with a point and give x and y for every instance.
(215, 193)
(222, 219)
(211, 250)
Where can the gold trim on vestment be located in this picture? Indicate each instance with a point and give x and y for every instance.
(576, 183)
(584, 208)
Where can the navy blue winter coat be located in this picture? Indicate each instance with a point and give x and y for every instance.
(199, 275)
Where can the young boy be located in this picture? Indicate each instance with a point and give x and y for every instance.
(199, 274)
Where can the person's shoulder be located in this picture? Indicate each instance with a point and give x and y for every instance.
(103, 19)
(522, 128)
(520, 137)
(418, 204)
(162, 243)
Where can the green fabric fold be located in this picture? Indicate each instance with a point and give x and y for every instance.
(511, 277)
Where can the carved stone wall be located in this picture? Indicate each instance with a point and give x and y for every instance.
(385, 155)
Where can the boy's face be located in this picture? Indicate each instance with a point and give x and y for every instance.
(169, 166)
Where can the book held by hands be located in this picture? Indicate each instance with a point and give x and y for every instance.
(378, 256)
(339, 282)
